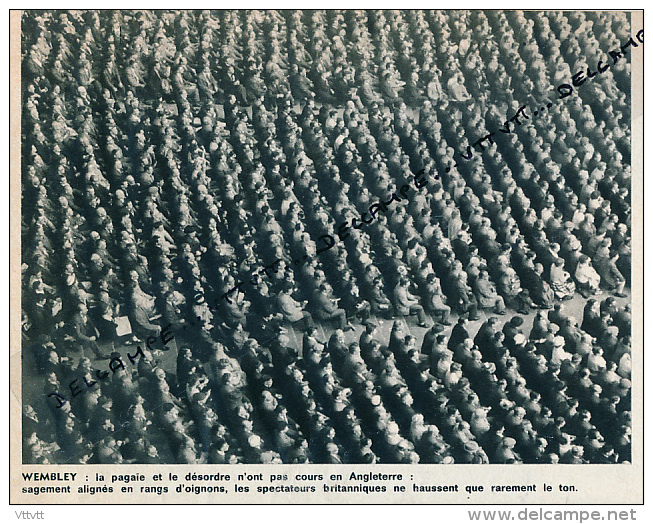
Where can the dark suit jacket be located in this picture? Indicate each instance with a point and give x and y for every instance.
(323, 305)
(458, 334)
(83, 330)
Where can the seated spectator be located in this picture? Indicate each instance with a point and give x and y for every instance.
(510, 287)
(463, 297)
(487, 295)
(381, 305)
(324, 308)
(140, 309)
(540, 290)
(84, 331)
(235, 138)
(355, 306)
(408, 304)
(435, 303)
(587, 278)
(611, 277)
(292, 310)
(561, 283)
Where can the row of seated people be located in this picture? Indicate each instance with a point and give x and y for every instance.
(498, 396)
(389, 54)
(93, 146)
(133, 118)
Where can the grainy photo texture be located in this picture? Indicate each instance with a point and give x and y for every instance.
(326, 237)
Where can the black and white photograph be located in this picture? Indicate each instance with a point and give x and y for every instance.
(329, 237)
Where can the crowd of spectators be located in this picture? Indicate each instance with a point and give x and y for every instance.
(168, 158)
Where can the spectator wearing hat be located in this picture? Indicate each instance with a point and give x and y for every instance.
(558, 354)
(505, 453)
